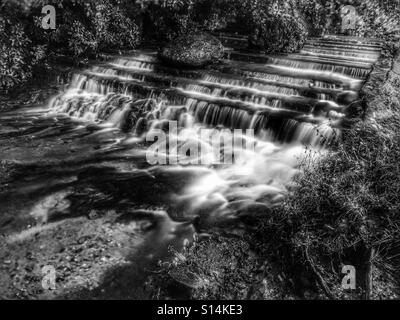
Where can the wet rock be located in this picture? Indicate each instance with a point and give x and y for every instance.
(347, 97)
(192, 51)
(136, 118)
(322, 108)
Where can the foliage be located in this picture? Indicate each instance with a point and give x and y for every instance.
(17, 55)
(276, 25)
(347, 202)
(376, 18)
(380, 19)
(217, 14)
(13, 54)
(163, 21)
(273, 25)
(315, 13)
(166, 20)
(85, 27)
(216, 268)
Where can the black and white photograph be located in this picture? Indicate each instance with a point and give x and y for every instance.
(200, 151)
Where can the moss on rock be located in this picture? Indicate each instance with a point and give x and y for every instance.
(192, 51)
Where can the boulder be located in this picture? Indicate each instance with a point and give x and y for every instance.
(192, 51)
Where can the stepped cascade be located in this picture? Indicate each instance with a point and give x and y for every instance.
(298, 92)
(291, 103)
(200, 150)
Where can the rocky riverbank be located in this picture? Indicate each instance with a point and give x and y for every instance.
(94, 252)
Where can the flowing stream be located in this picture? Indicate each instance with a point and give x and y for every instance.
(281, 106)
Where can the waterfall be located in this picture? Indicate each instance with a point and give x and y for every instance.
(289, 103)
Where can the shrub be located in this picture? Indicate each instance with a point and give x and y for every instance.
(167, 20)
(17, 54)
(379, 19)
(13, 54)
(315, 13)
(85, 27)
(275, 26)
(218, 14)
(217, 268)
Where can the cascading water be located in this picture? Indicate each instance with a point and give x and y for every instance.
(234, 135)
(292, 103)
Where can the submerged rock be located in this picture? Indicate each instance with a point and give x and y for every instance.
(192, 51)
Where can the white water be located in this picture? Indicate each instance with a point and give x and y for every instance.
(259, 177)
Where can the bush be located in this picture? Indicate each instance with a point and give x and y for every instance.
(218, 14)
(273, 25)
(217, 268)
(277, 27)
(380, 19)
(18, 56)
(84, 28)
(315, 13)
(162, 22)
(14, 54)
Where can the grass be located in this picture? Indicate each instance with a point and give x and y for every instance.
(345, 208)
(223, 268)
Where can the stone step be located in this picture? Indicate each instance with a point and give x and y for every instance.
(286, 99)
(252, 70)
(262, 58)
(316, 75)
(354, 39)
(329, 61)
(222, 80)
(148, 89)
(356, 43)
(340, 52)
(333, 56)
(343, 46)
